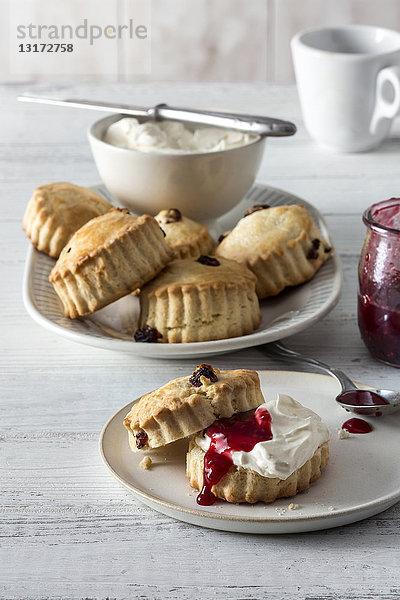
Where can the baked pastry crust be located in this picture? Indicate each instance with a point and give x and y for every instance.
(186, 237)
(106, 259)
(281, 245)
(56, 211)
(179, 408)
(245, 485)
(195, 302)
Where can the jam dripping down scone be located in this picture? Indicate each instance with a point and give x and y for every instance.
(56, 211)
(106, 259)
(275, 451)
(195, 300)
(186, 237)
(187, 405)
(281, 245)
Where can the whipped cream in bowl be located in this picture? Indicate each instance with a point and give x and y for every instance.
(152, 165)
(173, 137)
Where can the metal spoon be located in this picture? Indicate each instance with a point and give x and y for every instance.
(374, 403)
(259, 125)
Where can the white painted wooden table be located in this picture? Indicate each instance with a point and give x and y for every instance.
(67, 529)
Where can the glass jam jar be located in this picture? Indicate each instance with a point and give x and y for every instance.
(379, 282)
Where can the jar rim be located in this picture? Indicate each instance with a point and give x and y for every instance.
(370, 221)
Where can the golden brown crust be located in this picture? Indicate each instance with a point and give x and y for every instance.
(106, 259)
(56, 211)
(281, 245)
(245, 485)
(179, 409)
(190, 301)
(185, 237)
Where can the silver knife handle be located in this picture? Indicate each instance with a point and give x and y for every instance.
(247, 123)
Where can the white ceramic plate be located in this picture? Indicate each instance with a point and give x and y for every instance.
(362, 477)
(113, 326)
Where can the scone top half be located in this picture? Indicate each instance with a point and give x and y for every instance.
(189, 404)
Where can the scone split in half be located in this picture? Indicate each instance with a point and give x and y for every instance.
(106, 259)
(56, 211)
(249, 451)
(275, 451)
(281, 245)
(195, 300)
(187, 405)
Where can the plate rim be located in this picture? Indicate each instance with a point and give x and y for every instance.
(176, 351)
(215, 517)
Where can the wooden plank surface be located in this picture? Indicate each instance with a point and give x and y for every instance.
(67, 529)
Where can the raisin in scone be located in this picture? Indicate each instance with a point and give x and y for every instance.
(106, 259)
(56, 211)
(273, 452)
(189, 404)
(186, 237)
(195, 300)
(281, 245)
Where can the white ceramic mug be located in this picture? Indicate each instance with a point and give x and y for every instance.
(348, 81)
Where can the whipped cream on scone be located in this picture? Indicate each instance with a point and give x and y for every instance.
(272, 452)
(296, 431)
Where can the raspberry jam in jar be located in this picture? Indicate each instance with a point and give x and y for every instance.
(379, 282)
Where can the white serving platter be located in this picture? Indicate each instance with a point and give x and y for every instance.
(361, 479)
(113, 327)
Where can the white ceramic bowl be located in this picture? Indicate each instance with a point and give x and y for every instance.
(203, 186)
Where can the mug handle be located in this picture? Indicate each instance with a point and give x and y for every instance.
(386, 109)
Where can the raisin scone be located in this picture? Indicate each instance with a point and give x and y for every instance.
(106, 259)
(189, 404)
(56, 211)
(273, 452)
(186, 237)
(195, 300)
(281, 245)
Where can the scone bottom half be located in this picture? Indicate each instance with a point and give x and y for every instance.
(274, 451)
(240, 484)
(187, 405)
(106, 259)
